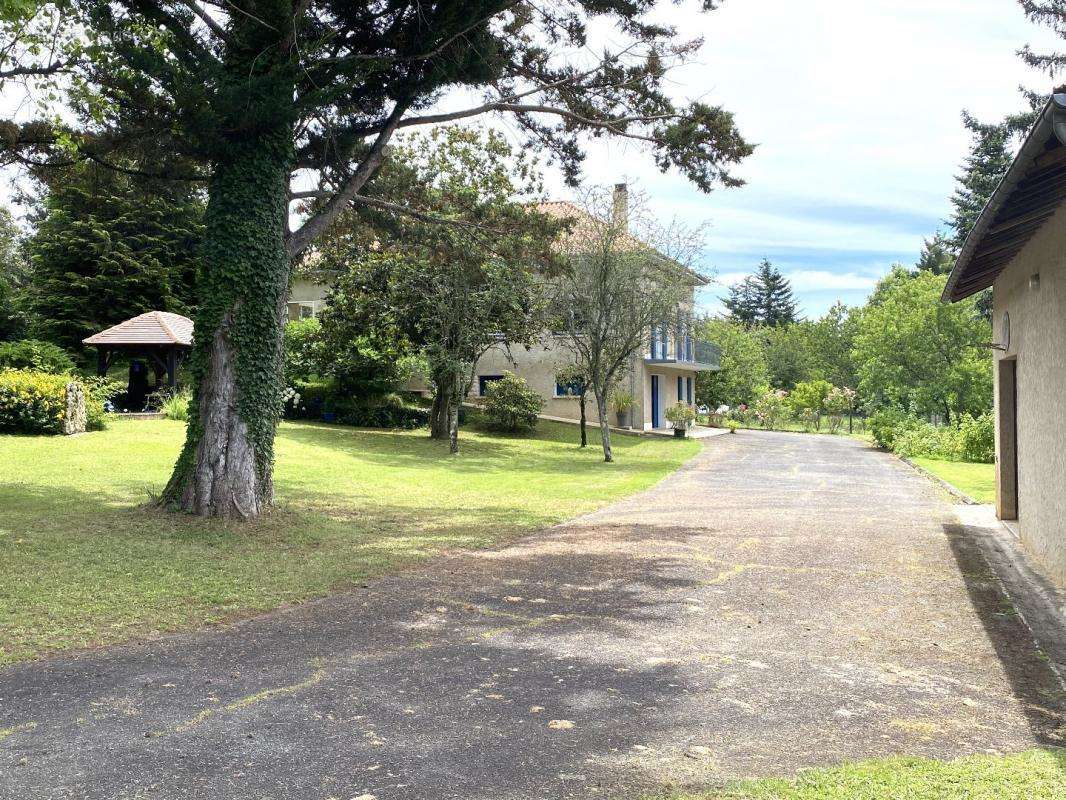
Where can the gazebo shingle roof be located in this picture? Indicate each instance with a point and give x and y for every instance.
(152, 328)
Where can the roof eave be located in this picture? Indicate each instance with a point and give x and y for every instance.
(1042, 129)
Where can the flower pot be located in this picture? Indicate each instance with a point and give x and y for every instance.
(622, 417)
(679, 433)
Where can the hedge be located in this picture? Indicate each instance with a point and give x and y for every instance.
(39, 402)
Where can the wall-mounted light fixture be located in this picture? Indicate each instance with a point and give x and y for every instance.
(1034, 282)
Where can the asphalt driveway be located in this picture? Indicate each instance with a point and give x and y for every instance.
(783, 601)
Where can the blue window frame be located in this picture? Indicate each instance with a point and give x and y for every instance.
(688, 390)
(680, 389)
(572, 389)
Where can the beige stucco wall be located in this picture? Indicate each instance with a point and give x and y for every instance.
(1038, 342)
(306, 292)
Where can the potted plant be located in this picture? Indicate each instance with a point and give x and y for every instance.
(622, 402)
(680, 416)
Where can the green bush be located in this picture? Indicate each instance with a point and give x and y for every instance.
(302, 342)
(511, 406)
(35, 355)
(887, 423)
(176, 406)
(32, 402)
(975, 439)
(98, 395)
(324, 400)
(925, 440)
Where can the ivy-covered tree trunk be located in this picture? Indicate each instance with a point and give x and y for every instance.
(226, 467)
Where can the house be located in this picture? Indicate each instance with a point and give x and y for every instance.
(662, 375)
(1018, 248)
(657, 378)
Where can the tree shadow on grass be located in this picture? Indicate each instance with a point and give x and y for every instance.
(415, 450)
(1039, 690)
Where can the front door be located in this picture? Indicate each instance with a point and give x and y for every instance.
(1007, 457)
(656, 421)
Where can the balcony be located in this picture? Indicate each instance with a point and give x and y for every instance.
(699, 356)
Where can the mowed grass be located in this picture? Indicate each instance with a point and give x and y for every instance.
(1032, 775)
(87, 561)
(976, 480)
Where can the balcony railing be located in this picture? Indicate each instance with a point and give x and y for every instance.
(684, 351)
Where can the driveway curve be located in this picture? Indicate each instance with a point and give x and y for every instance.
(782, 601)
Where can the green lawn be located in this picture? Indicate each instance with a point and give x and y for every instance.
(1032, 775)
(976, 480)
(86, 562)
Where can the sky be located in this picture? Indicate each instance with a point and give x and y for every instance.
(855, 106)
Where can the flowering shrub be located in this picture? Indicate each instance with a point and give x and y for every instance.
(839, 402)
(511, 406)
(680, 415)
(32, 402)
(772, 408)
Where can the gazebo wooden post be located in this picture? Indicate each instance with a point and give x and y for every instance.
(101, 361)
(172, 369)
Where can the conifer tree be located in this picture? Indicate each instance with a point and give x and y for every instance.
(105, 250)
(763, 298)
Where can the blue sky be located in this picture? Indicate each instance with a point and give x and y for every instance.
(855, 108)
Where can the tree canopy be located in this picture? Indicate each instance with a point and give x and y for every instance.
(920, 354)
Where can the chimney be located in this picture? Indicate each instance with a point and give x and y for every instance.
(621, 206)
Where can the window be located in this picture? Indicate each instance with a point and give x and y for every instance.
(572, 389)
(688, 390)
(680, 389)
(483, 382)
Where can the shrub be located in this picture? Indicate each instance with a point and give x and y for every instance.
(302, 342)
(772, 408)
(810, 395)
(925, 440)
(975, 439)
(511, 406)
(679, 415)
(837, 403)
(99, 392)
(887, 423)
(176, 406)
(32, 402)
(384, 412)
(35, 355)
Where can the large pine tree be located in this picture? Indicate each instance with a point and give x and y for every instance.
(763, 298)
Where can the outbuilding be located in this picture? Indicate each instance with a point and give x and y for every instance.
(1018, 248)
(156, 341)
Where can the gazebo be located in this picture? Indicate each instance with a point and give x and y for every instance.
(159, 337)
